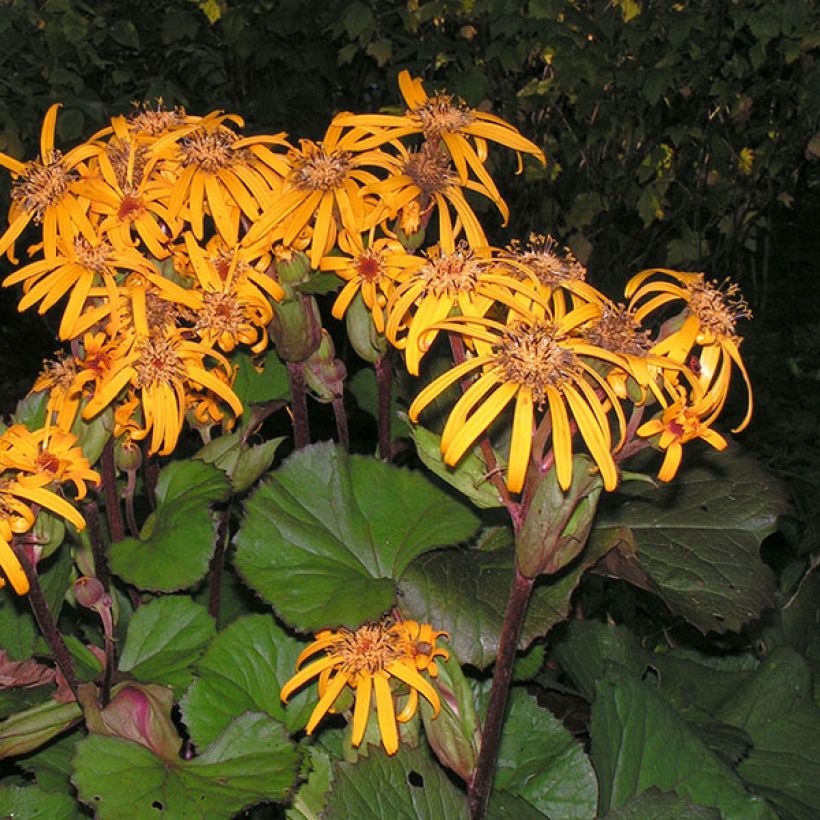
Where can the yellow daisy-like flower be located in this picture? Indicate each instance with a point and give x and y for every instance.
(81, 268)
(680, 423)
(58, 377)
(556, 270)
(162, 369)
(43, 192)
(371, 268)
(44, 456)
(464, 131)
(709, 323)
(467, 280)
(368, 660)
(229, 307)
(426, 177)
(17, 518)
(323, 189)
(541, 364)
(128, 198)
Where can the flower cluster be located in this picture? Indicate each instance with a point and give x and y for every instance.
(527, 328)
(380, 661)
(33, 468)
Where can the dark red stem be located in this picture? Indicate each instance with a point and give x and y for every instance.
(44, 618)
(341, 421)
(298, 392)
(113, 510)
(384, 381)
(92, 521)
(478, 793)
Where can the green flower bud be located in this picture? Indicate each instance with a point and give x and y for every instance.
(296, 328)
(365, 339)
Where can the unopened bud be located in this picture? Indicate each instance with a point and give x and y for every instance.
(127, 454)
(296, 328)
(90, 593)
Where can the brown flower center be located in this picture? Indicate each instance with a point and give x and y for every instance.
(95, 258)
(369, 649)
(429, 168)
(314, 169)
(155, 122)
(532, 356)
(718, 306)
(128, 162)
(369, 266)
(616, 330)
(440, 115)
(131, 208)
(451, 273)
(42, 185)
(209, 149)
(550, 264)
(220, 313)
(158, 361)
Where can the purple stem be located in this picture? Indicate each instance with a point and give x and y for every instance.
(478, 793)
(45, 620)
(384, 380)
(298, 392)
(113, 510)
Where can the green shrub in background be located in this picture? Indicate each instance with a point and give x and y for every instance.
(675, 131)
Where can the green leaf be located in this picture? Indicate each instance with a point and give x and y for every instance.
(250, 762)
(164, 638)
(639, 742)
(325, 539)
(540, 761)
(255, 387)
(469, 476)
(309, 800)
(407, 786)
(125, 33)
(243, 671)
(17, 625)
(177, 540)
(26, 731)
(51, 765)
(464, 591)
(699, 538)
(32, 802)
(774, 706)
(656, 804)
(357, 18)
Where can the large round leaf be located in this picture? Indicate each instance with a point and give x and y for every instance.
(464, 591)
(407, 786)
(251, 761)
(325, 539)
(177, 539)
(243, 671)
(541, 762)
(699, 538)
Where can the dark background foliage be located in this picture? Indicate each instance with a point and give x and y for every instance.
(680, 134)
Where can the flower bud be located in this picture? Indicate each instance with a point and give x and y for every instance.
(127, 454)
(365, 339)
(325, 374)
(296, 328)
(293, 267)
(90, 593)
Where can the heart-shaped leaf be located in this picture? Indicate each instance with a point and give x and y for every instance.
(406, 786)
(251, 761)
(699, 538)
(464, 591)
(177, 540)
(541, 762)
(243, 671)
(639, 741)
(325, 539)
(164, 638)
